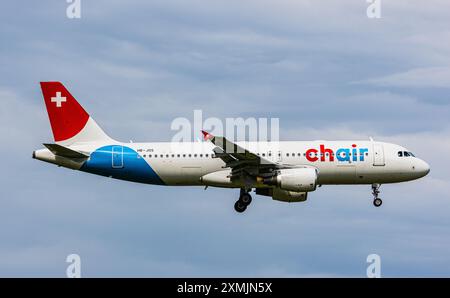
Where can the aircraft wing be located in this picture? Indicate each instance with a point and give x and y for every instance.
(240, 160)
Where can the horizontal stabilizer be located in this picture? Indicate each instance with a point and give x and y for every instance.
(64, 151)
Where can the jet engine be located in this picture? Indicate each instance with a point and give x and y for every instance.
(297, 180)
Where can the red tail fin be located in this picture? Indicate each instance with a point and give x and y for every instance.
(67, 116)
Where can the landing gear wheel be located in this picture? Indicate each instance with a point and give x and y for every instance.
(377, 202)
(239, 206)
(246, 199)
(376, 191)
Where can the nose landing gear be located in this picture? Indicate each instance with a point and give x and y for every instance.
(376, 191)
(245, 199)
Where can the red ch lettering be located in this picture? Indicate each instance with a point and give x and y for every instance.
(323, 151)
(309, 155)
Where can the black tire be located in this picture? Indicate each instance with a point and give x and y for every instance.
(377, 202)
(246, 199)
(239, 206)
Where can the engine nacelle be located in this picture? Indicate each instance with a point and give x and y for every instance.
(297, 180)
(282, 195)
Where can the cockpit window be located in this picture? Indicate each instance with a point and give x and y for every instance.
(405, 154)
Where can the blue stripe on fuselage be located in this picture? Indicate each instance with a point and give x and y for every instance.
(132, 167)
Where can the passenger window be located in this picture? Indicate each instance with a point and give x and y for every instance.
(400, 154)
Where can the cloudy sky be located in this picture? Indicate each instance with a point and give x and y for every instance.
(322, 67)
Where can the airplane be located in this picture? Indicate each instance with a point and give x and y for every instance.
(286, 171)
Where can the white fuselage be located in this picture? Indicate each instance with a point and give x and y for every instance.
(337, 162)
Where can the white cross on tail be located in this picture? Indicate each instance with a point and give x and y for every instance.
(58, 99)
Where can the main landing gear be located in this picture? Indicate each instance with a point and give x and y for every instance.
(244, 200)
(376, 191)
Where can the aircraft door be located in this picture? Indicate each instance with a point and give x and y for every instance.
(378, 155)
(117, 157)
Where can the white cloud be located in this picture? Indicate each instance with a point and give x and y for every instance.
(431, 77)
(127, 72)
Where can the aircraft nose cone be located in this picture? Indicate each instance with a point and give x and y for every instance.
(422, 168)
